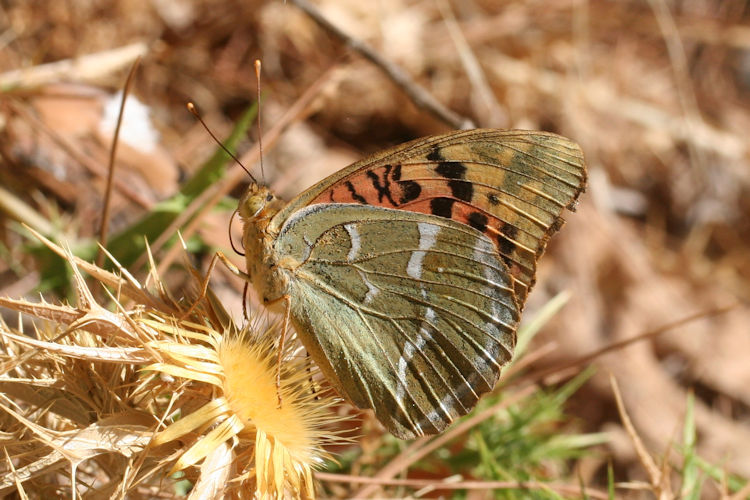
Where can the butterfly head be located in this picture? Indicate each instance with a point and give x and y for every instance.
(258, 203)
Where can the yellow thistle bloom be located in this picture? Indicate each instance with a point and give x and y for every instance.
(243, 407)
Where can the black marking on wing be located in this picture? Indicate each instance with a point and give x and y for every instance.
(462, 190)
(384, 189)
(451, 170)
(410, 191)
(448, 169)
(478, 221)
(396, 175)
(442, 207)
(505, 239)
(355, 195)
(435, 154)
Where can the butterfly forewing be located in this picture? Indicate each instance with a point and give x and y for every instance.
(510, 185)
(409, 314)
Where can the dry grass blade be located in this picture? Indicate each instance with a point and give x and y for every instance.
(659, 477)
(128, 355)
(684, 86)
(20, 211)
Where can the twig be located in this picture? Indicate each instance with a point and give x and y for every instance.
(421, 97)
(520, 364)
(685, 90)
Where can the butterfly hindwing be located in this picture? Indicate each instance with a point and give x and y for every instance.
(511, 185)
(411, 314)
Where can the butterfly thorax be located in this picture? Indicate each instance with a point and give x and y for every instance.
(256, 208)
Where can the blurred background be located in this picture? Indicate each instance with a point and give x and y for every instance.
(656, 93)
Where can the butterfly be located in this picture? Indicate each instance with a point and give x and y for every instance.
(405, 273)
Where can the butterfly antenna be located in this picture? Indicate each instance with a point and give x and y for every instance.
(260, 136)
(191, 108)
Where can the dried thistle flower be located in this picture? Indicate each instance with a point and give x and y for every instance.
(77, 392)
(287, 440)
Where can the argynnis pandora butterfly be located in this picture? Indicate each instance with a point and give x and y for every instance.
(405, 273)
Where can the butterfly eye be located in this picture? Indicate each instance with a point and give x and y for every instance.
(269, 197)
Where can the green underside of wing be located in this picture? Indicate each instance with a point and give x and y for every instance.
(411, 315)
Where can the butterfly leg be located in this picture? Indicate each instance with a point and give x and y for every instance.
(218, 256)
(244, 301)
(284, 327)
